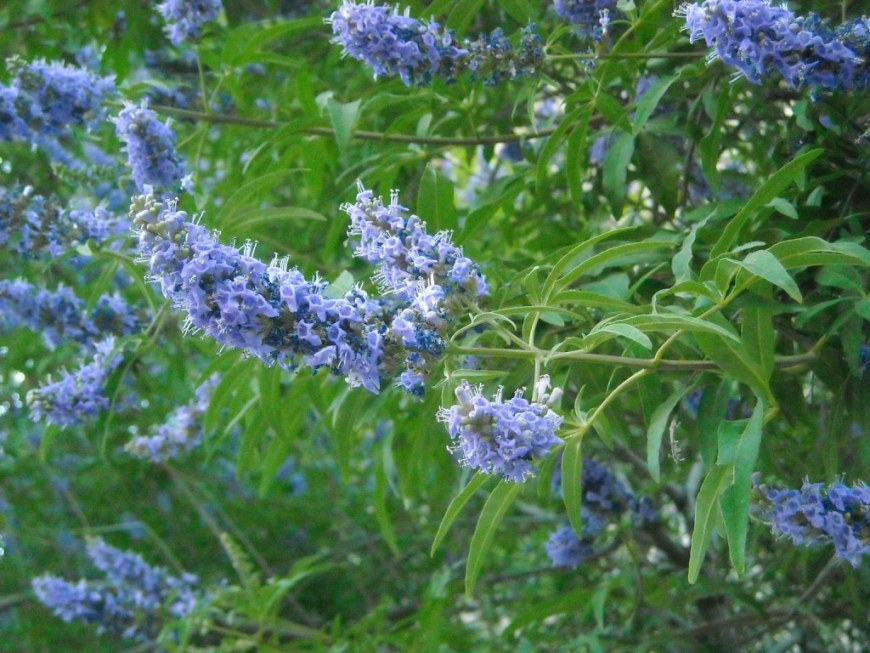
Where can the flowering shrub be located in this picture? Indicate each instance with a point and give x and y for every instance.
(434, 326)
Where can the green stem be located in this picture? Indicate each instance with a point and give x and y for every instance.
(361, 134)
(618, 390)
(630, 55)
(665, 365)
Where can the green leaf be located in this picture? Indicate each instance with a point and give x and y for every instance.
(669, 323)
(435, 203)
(717, 479)
(343, 282)
(248, 219)
(734, 501)
(765, 265)
(345, 425)
(542, 168)
(682, 260)
(343, 118)
(626, 331)
(575, 159)
(617, 255)
(783, 206)
(456, 506)
(382, 513)
(734, 360)
(491, 516)
(463, 13)
(615, 170)
(810, 251)
(758, 333)
(657, 424)
(770, 189)
(572, 488)
(521, 11)
(566, 260)
(649, 101)
(257, 187)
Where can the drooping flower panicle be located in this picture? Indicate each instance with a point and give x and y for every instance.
(134, 599)
(501, 437)
(150, 146)
(758, 38)
(604, 500)
(278, 315)
(34, 225)
(186, 18)
(270, 311)
(79, 395)
(181, 432)
(418, 51)
(60, 316)
(395, 44)
(406, 254)
(45, 98)
(816, 515)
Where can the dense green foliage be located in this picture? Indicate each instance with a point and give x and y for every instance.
(688, 263)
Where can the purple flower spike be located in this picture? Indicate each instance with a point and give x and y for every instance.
(500, 437)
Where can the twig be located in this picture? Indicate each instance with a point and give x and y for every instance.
(360, 134)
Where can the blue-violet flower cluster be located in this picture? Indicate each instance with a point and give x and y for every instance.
(150, 146)
(816, 515)
(426, 275)
(181, 432)
(78, 395)
(132, 601)
(590, 16)
(604, 499)
(60, 316)
(757, 38)
(34, 225)
(502, 437)
(417, 51)
(185, 18)
(275, 313)
(46, 98)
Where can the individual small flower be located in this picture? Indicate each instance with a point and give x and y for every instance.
(500, 437)
(150, 146)
(757, 37)
(590, 16)
(131, 602)
(78, 395)
(185, 18)
(395, 44)
(59, 316)
(181, 432)
(816, 515)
